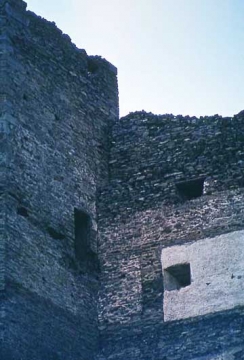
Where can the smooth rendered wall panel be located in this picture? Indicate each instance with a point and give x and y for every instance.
(217, 276)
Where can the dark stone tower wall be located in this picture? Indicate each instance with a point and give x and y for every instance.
(57, 107)
(143, 211)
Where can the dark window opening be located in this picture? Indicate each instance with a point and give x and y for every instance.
(92, 66)
(82, 234)
(55, 234)
(177, 276)
(22, 211)
(191, 189)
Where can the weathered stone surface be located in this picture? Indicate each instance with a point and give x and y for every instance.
(64, 149)
(234, 354)
(152, 153)
(56, 113)
(142, 212)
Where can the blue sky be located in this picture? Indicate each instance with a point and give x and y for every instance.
(173, 56)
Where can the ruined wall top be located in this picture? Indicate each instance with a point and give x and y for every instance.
(15, 11)
(151, 154)
(18, 4)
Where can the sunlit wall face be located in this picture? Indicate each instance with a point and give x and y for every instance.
(173, 56)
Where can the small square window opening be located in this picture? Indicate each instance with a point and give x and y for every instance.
(177, 276)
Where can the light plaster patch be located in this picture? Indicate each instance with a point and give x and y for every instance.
(217, 276)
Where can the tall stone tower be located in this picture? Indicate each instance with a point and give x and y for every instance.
(57, 106)
(120, 239)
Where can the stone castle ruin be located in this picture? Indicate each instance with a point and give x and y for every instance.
(122, 239)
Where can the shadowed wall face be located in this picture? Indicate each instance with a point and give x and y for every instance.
(59, 106)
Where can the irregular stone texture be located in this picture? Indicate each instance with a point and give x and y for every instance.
(233, 354)
(131, 313)
(141, 213)
(150, 153)
(211, 335)
(52, 333)
(217, 276)
(6, 124)
(57, 109)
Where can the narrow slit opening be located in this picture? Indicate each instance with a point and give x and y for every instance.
(82, 234)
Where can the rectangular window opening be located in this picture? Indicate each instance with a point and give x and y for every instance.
(191, 189)
(177, 276)
(82, 234)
